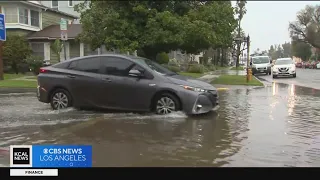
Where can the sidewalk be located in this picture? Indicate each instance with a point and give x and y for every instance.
(209, 77)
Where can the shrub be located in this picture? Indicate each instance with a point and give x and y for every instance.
(162, 58)
(172, 68)
(35, 63)
(197, 68)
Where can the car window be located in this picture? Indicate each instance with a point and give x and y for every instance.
(115, 66)
(283, 62)
(86, 65)
(260, 60)
(61, 65)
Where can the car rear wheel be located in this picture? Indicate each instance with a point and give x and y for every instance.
(60, 99)
(166, 104)
(295, 75)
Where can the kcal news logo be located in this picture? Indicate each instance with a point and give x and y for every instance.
(51, 156)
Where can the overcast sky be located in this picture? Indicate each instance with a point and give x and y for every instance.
(267, 22)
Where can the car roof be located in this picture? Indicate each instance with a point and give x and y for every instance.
(131, 57)
(260, 56)
(280, 59)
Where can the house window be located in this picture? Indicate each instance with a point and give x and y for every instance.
(54, 3)
(70, 3)
(35, 18)
(23, 16)
(11, 14)
(38, 49)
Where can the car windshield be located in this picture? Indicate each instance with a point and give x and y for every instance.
(282, 62)
(260, 60)
(156, 67)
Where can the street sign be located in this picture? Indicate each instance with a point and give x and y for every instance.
(63, 24)
(2, 28)
(64, 35)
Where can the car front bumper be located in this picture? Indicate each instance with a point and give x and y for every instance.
(284, 73)
(199, 103)
(261, 70)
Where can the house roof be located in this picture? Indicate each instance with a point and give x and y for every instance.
(53, 32)
(31, 3)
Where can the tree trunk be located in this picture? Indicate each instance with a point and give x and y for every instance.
(219, 56)
(223, 57)
(238, 44)
(15, 67)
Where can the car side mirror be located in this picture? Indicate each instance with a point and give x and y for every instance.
(135, 73)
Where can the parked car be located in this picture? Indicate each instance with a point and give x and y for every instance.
(306, 65)
(313, 65)
(122, 82)
(299, 65)
(318, 65)
(261, 64)
(284, 67)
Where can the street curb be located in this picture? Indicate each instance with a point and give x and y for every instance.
(16, 90)
(261, 81)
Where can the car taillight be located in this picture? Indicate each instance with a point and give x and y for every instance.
(42, 70)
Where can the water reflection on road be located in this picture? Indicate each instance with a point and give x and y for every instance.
(273, 126)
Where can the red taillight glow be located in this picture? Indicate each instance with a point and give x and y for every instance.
(42, 70)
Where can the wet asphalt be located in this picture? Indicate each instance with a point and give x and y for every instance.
(275, 125)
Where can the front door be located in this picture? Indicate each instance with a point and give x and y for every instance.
(85, 81)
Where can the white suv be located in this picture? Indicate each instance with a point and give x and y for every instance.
(284, 67)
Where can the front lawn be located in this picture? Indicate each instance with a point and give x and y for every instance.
(9, 81)
(194, 75)
(236, 80)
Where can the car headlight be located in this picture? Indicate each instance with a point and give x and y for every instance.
(196, 89)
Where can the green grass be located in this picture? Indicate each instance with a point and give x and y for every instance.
(236, 80)
(221, 68)
(18, 84)
(194, 75)
(10, 83)
(12, 76)
(237, 68)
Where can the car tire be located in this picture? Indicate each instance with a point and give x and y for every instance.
(274, 76)
(269, 73)
(166, 98)
(60, 99)
(295, 75)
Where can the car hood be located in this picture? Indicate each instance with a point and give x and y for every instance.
(188, 81)
(283, 66)
(261, 65)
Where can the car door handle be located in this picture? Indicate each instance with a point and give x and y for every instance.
(107, 79)
(70, 76)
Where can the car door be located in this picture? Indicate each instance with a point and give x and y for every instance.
(142, 89)
(113, 71)
(86, 81)
(121, 90)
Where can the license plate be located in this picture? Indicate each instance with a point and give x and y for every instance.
(261, 71)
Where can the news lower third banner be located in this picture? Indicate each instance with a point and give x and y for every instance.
(50, 156)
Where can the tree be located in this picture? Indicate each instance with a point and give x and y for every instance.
(152, 27)
(56, 47)
(286, 47)
(301, 50)
(307, 26)
(240, 11)
(15, 50)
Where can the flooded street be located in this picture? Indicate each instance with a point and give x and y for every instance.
(277, 125)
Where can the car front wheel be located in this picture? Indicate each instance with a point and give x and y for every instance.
(166, 103)
(60, 99)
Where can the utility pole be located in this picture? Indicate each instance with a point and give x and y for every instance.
(248, 59)
(1, 47)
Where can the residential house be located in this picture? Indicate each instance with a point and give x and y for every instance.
(28, 17)
(66, 6)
